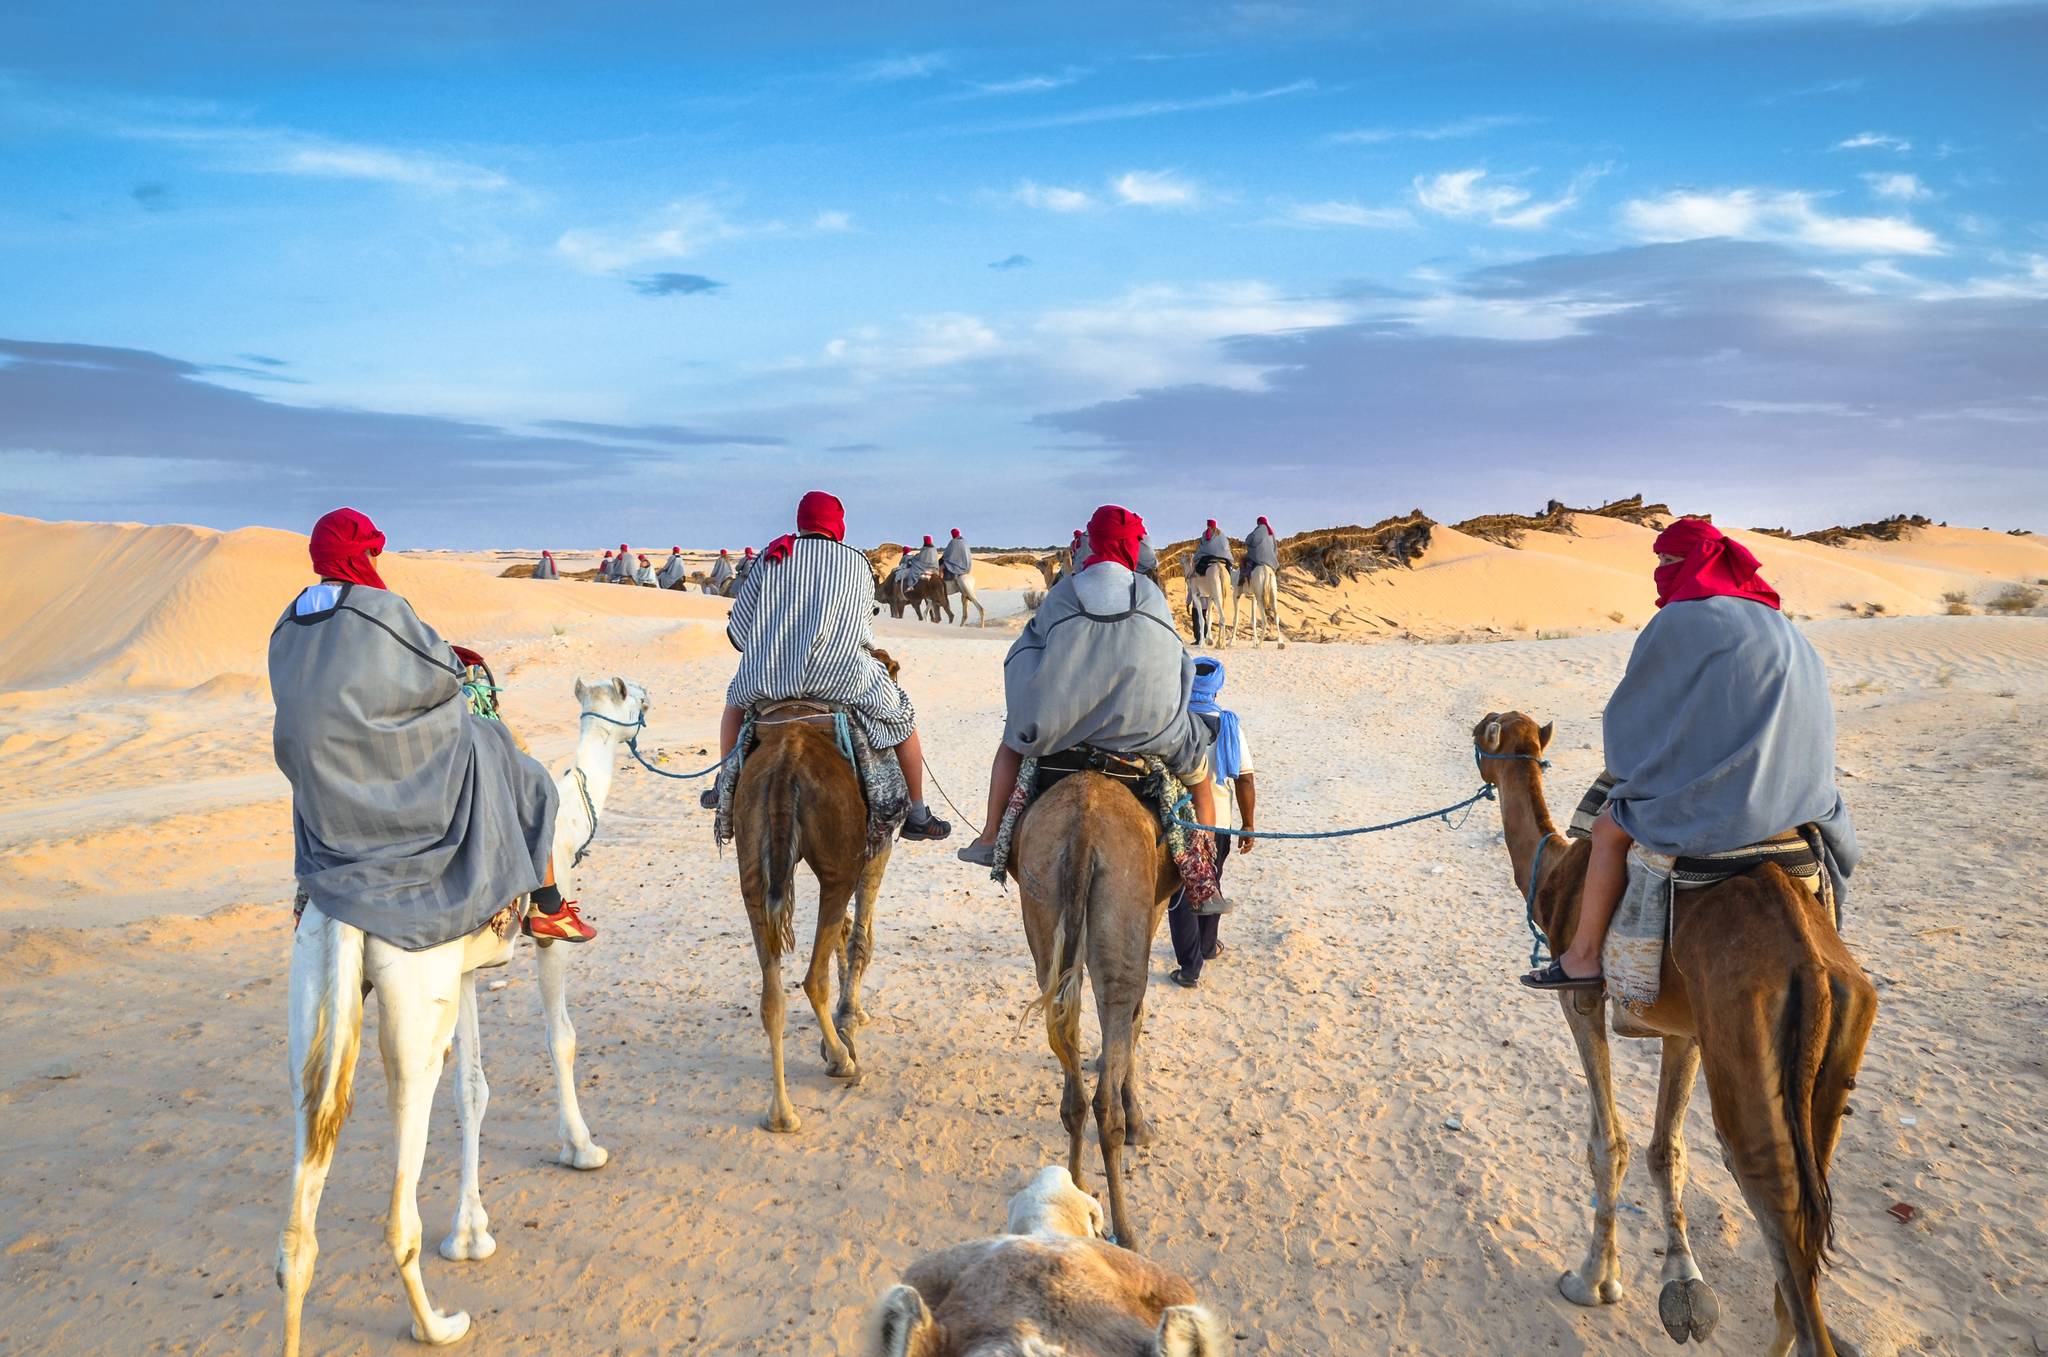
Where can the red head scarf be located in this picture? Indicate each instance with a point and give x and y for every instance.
(622, 548)
(549, 554)
(927, 539)
(343, 545)
(675, 551)
(750, 553)
(816, 512)
(723, 552)
(1210, 531)
(956, 532)
(1077, 537)
(1715, 565)
(1115, 533)
(1263, 523)
(644, 560)
(607, 555)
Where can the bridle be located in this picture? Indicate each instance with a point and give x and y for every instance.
(1539, 944)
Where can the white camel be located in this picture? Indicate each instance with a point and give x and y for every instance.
(1209, 597)
(962, 588)
(426, 997)
(1263, 589)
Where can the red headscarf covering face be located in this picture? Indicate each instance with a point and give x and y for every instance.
(1711, 565)
(1115, 532)
(817, 512)
(343, 544)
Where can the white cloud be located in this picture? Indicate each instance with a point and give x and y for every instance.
(915, 66)
(339, 160)
(1152, 108)
(1167, 336)
(831, 223)
(1450, 131)
(1051, 197)
(1791, 217)
(676, 231)
(1873, 141)
(1463, 194)
(1904, 187)
(1026, 84)
(924, 342)
(1348, 214)
(1155, 188)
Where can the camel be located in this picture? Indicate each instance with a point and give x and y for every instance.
(1758, 987)
(799, 800)
(926, 598)
(1095, 880)
(424, 999)
(1049, 1285)
(1208, 600)
(1263, 589)
(962, 588)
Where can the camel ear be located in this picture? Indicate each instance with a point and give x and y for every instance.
(582, 690)
(1491, 739)
(1192, 1331)
(619, 687)
(1543, 736)
(897, 1325)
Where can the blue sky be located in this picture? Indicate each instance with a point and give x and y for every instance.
(511, 274)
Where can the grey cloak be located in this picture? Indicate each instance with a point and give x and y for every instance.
(672, 572)
(1214, 548)
(1100, 664)
(927, 559)
(546, 569)
(802, 629)
(721, 571)
(957, 559)
(1148, 559)
(1722, 734)
(644, 575)
(1261, 548)
(412, 819)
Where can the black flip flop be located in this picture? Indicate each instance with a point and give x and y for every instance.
(1553, 977)
(708, 798)
(1183, 979)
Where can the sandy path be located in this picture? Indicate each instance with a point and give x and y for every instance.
(1304, 1174)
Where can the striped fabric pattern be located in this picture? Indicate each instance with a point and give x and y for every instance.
(803, 629)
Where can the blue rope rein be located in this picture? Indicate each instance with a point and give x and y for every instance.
(1445, 813)
(633, 747)
(1539, 946)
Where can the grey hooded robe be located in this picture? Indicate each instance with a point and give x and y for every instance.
(546, 569)
(1261, 548)
(412, 819)
(957, 559)
(1216, 548)
(672, 572)
(1100, 664)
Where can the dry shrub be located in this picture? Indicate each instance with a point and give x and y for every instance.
(2014, 598)
(1897, 528)
(1955, 609)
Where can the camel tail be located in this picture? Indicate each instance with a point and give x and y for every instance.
(1803, 1041)
(1066, 968)
(327, 997)
(781, 842)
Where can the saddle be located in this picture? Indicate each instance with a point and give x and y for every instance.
(1155, 786)
(1087, 759)
(879, 772)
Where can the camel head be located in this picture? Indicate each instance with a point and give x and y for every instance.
(901, 1325)
(618, 700)
(1050, 1204)
(1508, 733)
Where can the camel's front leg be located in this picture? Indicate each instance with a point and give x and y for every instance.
(324, 1026)
(782, 1117)
(577, 1149)
(469, 1238)
(860, 945)
(1598, 1280)
(1686, 1304)
(418, 994)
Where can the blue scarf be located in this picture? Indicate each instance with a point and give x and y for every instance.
(1202, 702)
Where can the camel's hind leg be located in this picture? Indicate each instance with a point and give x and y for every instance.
(830, 941)
(1111, 1128)
(577, 1150)
(418, 994)
(1686, 1304)
(1137, 1129)
(860, 946)
(782, 1117)
(1598, 1279)
(325, 1026)
(469, 1237)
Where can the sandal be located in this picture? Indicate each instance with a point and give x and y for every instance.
(1554, 977)
(708, 798)
(1183, 979)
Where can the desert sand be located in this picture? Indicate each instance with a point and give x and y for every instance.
(1305, 1175)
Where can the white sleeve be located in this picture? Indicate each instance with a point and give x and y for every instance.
(1244, 750)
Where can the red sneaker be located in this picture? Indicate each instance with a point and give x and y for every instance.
(566, 926)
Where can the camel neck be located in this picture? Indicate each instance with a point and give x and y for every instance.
(1524, 817)
(593, 760)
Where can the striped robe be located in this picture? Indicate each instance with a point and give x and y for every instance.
(802, 627)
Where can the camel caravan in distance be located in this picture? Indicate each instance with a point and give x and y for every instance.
(1758, 987)
(424, 999)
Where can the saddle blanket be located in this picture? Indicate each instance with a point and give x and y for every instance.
(879, 771)
(1194, 854)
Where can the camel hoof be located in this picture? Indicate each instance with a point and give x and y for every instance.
(585, 1157)
(1574, 1289)
(848, 1070)
(1843, 1347)
(443, 1330)
(782, 1124)
(850, 1020)
(468, 1246)
(1689, 1310)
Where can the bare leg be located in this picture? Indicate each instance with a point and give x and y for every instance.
(1606, 879)
(1002, 780)
(1686, 1303)
(1204, 796)
(911, 755)
(1598, 1280)
(729, 730)
(469, 1237)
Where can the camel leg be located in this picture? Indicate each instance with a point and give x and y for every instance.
(1110, 1127)
(860, 946)
(1137, 1130)
(324, 1025)
(469, 1237)
(1686, 1304)
(1598, 1279)
(782, 1118)
(577, 1149)
(831, 939)
(418, 994)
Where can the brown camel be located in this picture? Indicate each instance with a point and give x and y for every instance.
(1095, 881)
(799, 800)
(1047, 1286)
(926, 599)
(1757, 986)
